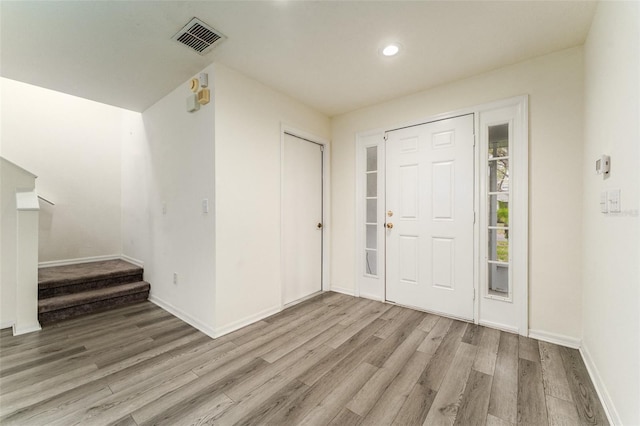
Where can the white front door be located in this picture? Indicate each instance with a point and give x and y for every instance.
(301, 218)
(429, 204)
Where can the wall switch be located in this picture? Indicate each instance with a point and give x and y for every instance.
(603, 202)
(614, 201)
(175, 278)
(205, 205)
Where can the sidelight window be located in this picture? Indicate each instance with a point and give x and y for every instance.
(371, 208)
(498, 198)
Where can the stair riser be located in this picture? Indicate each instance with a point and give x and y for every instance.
(45, 293)
(88, 308)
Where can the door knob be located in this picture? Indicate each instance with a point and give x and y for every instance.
(389, 225)
(319, 225)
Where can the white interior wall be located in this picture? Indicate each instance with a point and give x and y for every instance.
(168, 159)
(248, 118)
(611, 251)
(73, 145)
(11, 178)
(554, 83)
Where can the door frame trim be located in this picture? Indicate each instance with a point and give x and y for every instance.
(521, 273)
(326, 200)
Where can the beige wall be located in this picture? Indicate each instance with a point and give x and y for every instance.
(611, 275)
(554, 84)
(168, 160)
(73, 145)
(248, 122)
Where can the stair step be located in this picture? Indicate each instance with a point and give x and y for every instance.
(69, 279)
(72, 305)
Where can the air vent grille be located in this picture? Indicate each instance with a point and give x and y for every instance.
(199, 36)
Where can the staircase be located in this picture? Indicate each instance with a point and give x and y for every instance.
(73, 290)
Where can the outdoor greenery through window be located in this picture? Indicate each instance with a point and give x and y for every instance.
(371, 208)
(498, 206)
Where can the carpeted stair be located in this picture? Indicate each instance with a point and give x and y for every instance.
(73, 290)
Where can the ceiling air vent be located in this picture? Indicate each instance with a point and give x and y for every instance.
(199, 36)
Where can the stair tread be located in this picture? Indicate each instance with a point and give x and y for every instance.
(75, 299)
(58, 276)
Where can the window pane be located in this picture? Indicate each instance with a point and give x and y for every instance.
(371, 236)
(499, 210)
(370, 264)
(499, 245)
(499, 140)
(498, 280)
(372, 207)
(372, 159)
(372, 184)
(499, 175)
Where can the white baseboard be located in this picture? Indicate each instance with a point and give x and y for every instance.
(558, 339)
(236, 325)
(6, 324)
(499, 326)
(343, 290)
(64, 262)
(183, 316)
(132, 260)
(601, 389)
(24, 330)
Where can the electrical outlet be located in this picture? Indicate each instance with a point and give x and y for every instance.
(175, 278)
(205, 205)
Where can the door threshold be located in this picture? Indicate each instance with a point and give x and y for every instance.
(441, 314)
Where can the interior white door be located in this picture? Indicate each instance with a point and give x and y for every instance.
(301, 218)
(429, 203)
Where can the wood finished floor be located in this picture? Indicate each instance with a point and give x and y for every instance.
(333, 360)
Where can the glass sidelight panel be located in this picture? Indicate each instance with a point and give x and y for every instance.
(372, 232)
(499, 210)
(499, 245)
(371, 211)
(498, 280)
(372, 184)
(499, 141)
(499, 175)
(371, 264)
(498, 196)
(372, 159)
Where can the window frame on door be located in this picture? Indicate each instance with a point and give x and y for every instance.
(368, 285)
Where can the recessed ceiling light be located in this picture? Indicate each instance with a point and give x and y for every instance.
(391, 50)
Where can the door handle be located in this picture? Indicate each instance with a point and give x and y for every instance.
(319, 225)
(389, 225)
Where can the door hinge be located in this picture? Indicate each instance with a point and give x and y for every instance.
(474, 217)
(474, 294)
(321, 148)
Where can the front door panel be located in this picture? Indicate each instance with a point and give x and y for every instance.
(429, 199)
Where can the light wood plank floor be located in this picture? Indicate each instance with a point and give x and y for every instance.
(333, 359)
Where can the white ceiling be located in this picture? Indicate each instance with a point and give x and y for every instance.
(324, 53)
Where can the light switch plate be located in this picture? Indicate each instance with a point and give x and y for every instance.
(614, 200)
(604, 208)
